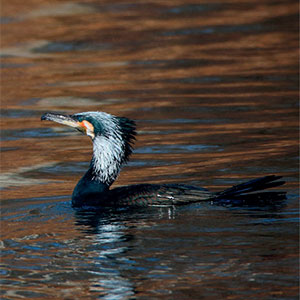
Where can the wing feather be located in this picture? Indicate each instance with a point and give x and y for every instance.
(158, 195)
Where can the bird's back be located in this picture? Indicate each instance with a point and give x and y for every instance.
(158, 195)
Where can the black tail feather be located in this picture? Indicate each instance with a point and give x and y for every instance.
(247, 193)
(253, 186)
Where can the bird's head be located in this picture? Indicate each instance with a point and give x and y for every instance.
(112, 139)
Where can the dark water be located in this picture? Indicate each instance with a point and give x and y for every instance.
(213, 87)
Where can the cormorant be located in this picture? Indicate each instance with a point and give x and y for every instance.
(113, 138)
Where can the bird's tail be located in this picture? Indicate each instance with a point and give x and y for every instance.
(251, 193)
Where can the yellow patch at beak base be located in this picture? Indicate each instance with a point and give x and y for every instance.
(88, 127)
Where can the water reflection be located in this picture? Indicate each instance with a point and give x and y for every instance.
(107, 236)
(108, 249)
(111, 244)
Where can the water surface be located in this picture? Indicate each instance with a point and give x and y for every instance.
(213, 88)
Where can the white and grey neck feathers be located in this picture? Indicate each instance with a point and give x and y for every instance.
(112, 145)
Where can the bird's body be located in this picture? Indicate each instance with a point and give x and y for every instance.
(112, 145)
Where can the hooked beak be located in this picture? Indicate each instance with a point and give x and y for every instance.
(61, 119)
(84, 126)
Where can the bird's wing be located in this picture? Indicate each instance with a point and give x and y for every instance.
(158, 195)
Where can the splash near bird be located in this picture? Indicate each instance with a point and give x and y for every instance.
(113, 139)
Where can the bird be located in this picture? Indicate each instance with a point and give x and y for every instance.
(113, 138)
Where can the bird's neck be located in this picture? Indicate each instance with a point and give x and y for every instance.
(88, 190)
(108, 157)
(109, 153)
(103, 171)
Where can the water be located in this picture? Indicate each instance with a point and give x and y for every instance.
(213, 88)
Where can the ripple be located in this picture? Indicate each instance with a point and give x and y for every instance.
(151, 163)
(174, 148)
(4, 149)
(192, 8)
(60, 9)
(235, 79)
(30, 133)
(67, 101)
(176, 63)
(64, 168)
(18, 113)
(6, 65)
(64, 46)
(7, 20)
(241, 28)
(183, 121)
